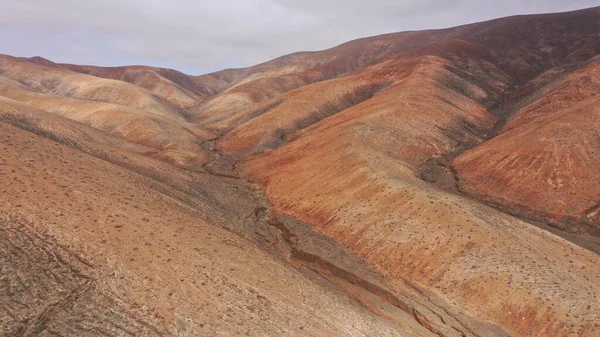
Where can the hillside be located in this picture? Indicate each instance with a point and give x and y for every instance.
(543, 162)
(427, 183)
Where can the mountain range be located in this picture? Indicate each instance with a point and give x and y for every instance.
(424, 183)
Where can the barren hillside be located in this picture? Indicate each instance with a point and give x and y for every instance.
(428, 183)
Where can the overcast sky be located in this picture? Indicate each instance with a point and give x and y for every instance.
(199, 36)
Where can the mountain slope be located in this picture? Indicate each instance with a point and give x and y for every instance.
(354, 175)
(94, 249)
(61, 82)
(544, 161)
(165, 136)
(521, 46)
(386, 186)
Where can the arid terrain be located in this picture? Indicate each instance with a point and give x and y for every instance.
(427, 183)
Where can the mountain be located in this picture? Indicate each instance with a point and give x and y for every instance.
(428, 183)
(542, 163)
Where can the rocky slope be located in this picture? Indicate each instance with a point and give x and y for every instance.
(410, 184)
(543, 162)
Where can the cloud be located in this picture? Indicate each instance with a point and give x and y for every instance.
(201, 36)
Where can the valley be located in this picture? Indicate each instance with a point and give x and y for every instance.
(427, 183)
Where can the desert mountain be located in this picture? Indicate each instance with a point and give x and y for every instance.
(428, 183)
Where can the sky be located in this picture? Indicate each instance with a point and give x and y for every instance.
(201, 36)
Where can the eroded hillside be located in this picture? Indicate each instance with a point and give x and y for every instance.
(399, 185)
(543, 162)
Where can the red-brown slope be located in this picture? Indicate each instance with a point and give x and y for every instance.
(544, 163)
(520, 47)
(354, 174)
(456, 113)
